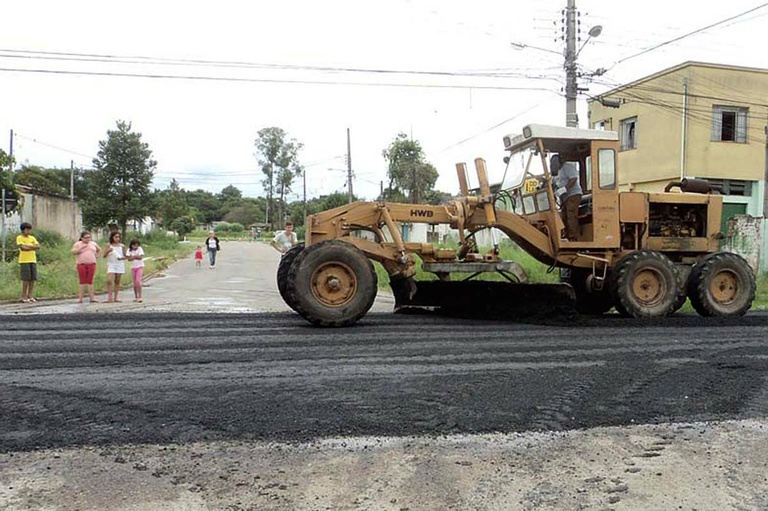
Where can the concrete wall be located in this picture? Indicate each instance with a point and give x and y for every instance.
(52, 214)
(745, 237)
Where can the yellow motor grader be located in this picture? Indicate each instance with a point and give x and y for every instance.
(640, 253)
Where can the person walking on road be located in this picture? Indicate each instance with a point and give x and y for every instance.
(213, 246)
(28, 247)
(136, 257)
(115, 254)
(284, 240)
(86, 251)
(199, 257)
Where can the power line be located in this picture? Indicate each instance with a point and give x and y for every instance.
(657, 46)
(269, 80)
(144, 60)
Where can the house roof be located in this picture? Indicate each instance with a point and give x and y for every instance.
(674, 69)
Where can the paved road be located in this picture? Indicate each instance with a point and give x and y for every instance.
(157, 408)
(91, 379)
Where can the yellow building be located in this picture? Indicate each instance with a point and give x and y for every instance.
(694, 120)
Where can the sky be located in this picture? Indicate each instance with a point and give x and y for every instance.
(454, 75)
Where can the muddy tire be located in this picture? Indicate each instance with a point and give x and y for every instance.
(644, 285)
(332, 283)
(588, 302)
(721, 284)
(282, 272)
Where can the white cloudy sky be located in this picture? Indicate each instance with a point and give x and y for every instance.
(202, 131)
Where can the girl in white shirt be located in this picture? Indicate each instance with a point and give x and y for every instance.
(115, 254)
(136, 257)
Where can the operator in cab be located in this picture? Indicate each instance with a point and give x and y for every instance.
(567, 188)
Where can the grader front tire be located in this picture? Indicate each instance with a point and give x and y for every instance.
(282, 272)
(332, 283)
(645, 285)
(721, 284)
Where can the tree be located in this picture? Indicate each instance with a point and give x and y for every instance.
(6, 183)
(40, 179)
(183, 225)
(248, 212)
(408, 170)
(278, 158)
(171, 204)
(204, 205)
(119, 185)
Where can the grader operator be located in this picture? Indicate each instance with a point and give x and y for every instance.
(640, 253)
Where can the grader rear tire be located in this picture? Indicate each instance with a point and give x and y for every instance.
(644, 285)
(332, 283)
(721, 284)
(282, 272)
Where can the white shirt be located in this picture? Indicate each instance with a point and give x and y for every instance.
(567, 172)
(286, 240)
(137, 263)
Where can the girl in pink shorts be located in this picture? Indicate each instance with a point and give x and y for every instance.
(136, 257)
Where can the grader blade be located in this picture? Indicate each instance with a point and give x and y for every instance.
(484, 299)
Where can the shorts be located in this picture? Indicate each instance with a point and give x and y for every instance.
(86, 273)
(28, 271)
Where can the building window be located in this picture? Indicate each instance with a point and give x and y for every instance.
(629, 134)
(729, 124)
(602, 125)
(732, 186)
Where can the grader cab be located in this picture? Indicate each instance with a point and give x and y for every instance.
(640, 253)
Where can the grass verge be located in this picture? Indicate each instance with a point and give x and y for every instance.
(57, 266)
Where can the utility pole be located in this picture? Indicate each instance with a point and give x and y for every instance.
(349, 168)
(3, 231)
(304, 175)
(571, 86)
(71, 179)
(10, 169)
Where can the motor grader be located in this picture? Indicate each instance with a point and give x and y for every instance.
(640, 253)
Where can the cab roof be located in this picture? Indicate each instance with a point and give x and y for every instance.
(555, 138)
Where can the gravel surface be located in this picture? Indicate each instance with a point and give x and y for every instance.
(243, 406)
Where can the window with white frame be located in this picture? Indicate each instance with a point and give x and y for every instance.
(729, 124)
(629, 134)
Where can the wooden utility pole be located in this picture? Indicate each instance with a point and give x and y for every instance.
(349, 168)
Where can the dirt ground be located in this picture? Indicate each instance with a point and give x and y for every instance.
(694, 466)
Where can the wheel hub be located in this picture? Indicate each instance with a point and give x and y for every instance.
(333, 284)
(648, 286)
(724, 287)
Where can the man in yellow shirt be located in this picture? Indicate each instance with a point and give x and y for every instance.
(28, 247)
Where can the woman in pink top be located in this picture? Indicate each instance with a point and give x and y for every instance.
(86, 249)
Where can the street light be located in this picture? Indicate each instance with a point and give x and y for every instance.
(593, 32)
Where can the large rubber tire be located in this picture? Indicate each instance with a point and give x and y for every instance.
(644, 284)
(332, 283)
(721, 284)
(282, 272)
(588, 301)
(683, 273)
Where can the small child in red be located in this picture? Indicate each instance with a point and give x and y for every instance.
(199, 257)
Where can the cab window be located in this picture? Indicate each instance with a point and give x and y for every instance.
(607, 166)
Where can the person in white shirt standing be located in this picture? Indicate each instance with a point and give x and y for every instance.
(284, 240)
(136, 257)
